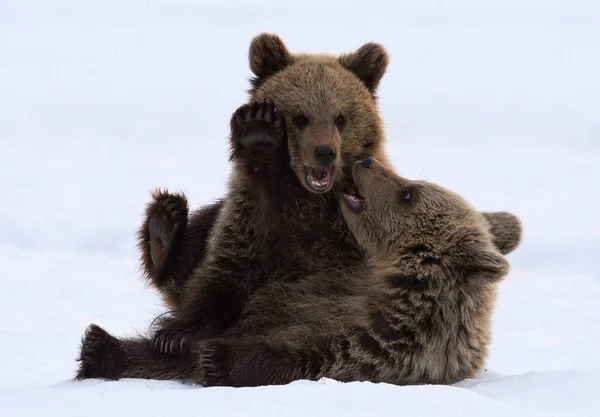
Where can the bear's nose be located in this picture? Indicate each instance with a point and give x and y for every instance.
(367, 162)
(325, 154)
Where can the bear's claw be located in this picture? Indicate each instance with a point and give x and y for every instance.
(176, 339)
(213, 357)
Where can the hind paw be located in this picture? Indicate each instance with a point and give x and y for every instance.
(101, 355)
(167, 220)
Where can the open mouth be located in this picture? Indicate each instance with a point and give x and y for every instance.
(319, 179)
(356, 205)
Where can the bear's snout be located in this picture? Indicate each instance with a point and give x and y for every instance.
(325, 155)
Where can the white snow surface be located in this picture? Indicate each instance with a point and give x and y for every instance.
(100, 101)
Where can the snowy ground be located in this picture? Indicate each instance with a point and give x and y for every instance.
(102, 100)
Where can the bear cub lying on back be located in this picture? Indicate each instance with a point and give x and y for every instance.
(423, 303)
(420, 310)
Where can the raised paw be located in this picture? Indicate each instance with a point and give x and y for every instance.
(101, 355)
(259, 126)
(167, 220)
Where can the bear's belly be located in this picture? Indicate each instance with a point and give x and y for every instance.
(296, 254)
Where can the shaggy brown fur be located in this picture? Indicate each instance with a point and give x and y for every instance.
(280, 219)
(271, 226)
(328, 102)
(336, 97)
(422, 304)
(173, 245)
(417, 311)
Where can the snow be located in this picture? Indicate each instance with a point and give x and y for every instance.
(102, 100)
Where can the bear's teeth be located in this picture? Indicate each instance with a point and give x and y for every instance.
(320, 184)
(318, 178)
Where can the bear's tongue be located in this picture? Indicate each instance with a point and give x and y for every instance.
(355, 204)
(318, 173)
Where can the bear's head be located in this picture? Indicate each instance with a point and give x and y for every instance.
(424, 230)
(329, 106)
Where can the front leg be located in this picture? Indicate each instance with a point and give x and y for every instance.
(272, 361)
(352, 353)
(248, 363)
(234, 265)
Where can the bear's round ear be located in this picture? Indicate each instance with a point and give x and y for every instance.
(268, 55)
(368, 63)
(475, 257)
(481, 264)
(506, 230)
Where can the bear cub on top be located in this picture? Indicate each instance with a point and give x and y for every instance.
(292, 148)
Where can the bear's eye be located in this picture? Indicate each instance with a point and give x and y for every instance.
(301, 121)
(407, 195)
(340, 121)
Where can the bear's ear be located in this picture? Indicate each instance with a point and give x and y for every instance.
(268, 55)
(476, 262)
(506, 230)
(368, 63)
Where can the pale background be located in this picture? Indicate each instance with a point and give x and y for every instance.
(101, 100)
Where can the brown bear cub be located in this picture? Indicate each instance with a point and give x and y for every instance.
(418, 310)
(292, 150)
(422, 303)
(331, 120)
